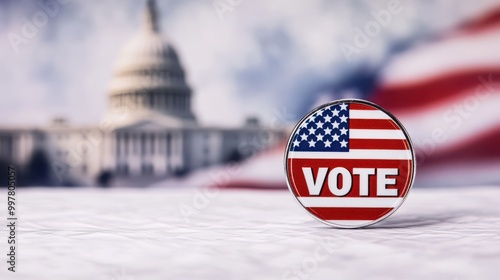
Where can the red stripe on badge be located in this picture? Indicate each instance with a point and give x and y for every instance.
(372, 124)
(359, 106)
(296, 173)
(352, 213)
(384, 144)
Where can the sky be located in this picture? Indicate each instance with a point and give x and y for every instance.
(266, 58)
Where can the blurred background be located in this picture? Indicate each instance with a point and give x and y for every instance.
(181, 93)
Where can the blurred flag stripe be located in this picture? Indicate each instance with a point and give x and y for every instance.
(253, 184)
(483, 147)
(439, 90)
(488, 21)
(460, 52)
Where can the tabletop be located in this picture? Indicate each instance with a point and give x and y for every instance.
(190, 233)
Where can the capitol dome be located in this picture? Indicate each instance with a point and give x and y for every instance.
(148, 75)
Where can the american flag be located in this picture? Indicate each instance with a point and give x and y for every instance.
(446, 92)
(368, 144)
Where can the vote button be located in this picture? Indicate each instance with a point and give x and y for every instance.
(350, 163)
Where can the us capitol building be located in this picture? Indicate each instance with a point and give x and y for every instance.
(149, 129)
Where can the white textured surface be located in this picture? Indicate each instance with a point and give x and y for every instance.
(141, 234)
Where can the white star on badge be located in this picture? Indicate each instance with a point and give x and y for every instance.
(343, 131)
(335, 124)
(343, 143)
(296, 143)
(343, 106)
(303, 137)
(335, 137)
(312, 143)
(328, 130)
(327, 118)
(343, 119)
(328, 143)
(319, 124)
(312, 130)
(320, 137)
(335, 112)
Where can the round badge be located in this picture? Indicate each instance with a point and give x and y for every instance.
(350, 163)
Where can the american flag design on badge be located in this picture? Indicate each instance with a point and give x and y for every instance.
(349, 163)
